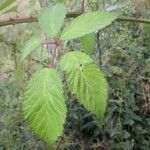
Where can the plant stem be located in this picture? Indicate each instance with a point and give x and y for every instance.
(58, 144)
(54, 56)
(99, 48)
(44, 4)
(19, 20)
(82, 5)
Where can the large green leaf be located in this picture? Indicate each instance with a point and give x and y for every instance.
(89, 85)
(88, 42)
(86, 81)
(88, 23)
(6, 3)
(52, 18)
(30, 46)
(44, 105)
(74, 60)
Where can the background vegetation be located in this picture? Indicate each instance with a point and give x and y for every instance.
(123, 52)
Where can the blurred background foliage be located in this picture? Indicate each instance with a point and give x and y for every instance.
(123, 52)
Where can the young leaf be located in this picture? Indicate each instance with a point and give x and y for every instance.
(88, 42)
(88, 83)
(74, 60)
(44, 105)
(52, 18)
(30, 46)
(6, 3)
(88, 23)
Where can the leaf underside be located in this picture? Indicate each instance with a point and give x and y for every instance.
(88, 23)
(44, 105)
(88, 83)
(52, 18)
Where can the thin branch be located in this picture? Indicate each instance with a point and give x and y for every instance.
(54, 55)
(82, 5)
(99, 47)
(58, 144)
(18, 20)
(48, 47)
(39, 62)
(134, 19)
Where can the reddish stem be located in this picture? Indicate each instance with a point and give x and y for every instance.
(53, 57)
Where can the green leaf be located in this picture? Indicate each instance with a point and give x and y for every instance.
(89, 85)
(88, 42)
(74, 60)
(86, 81)
(44, 105)
(30, 46)
(88, 23)
(12, 9)
(52, 18)
(6, 3)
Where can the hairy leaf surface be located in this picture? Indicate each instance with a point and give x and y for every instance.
(88, 23)
(52, 18)
(30, 46)
(44, 105)
(74, 60)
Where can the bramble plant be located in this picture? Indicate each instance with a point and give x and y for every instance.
(43, 101)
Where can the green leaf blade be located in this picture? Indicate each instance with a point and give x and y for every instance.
(74, 59)
(30, 46)
(91, 89)
(86, 81)
(88, 23)
(52, 18)
(88, 41)
(44, 105)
